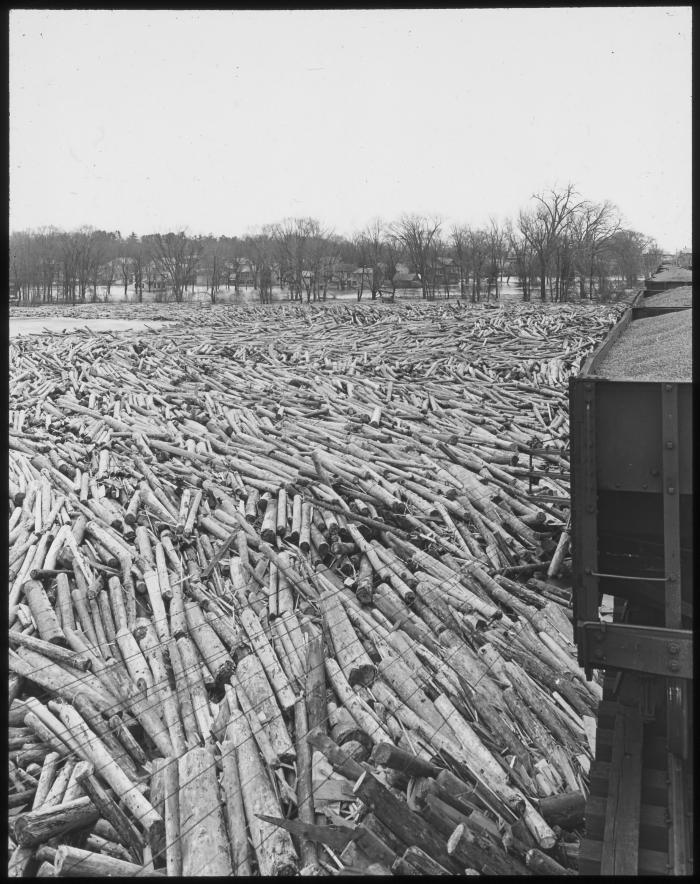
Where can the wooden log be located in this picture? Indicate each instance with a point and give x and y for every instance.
(230, 633)
(349, 653)
(250, 710)
(209, 644)
(474, 851)
(74, 789)
(64, 608)
(22, 862)
(37, 826)
(397, 674)
(160, 619)
(395, 758)
(51, 651)
(252, 677)
(135, 662)
(110, 810)
(268, 659)
(43, 613)
(363, 716)
(560, 552)
(423, 863)
(172, 847)
(151, 649)
(98, 844)
(204, 843)
(308, 853)
(110, 771)
(344, 729)
(408, 826)
(46, 778)
(189, 721)
(74, 862)
(57, 791)
(273, 846)
(197, 691)
(286, 652)
(542, 864)
(566, 810)
(234, 811)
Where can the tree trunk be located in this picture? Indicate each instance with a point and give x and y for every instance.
(205, 846)
(273, 846)
(72, 861)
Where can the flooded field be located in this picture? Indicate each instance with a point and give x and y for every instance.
(54, 325)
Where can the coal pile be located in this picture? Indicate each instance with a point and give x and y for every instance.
(657, 348)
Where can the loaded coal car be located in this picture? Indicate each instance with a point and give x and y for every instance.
(631, 477)
(668, 276)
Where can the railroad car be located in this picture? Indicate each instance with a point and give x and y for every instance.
(631, 478)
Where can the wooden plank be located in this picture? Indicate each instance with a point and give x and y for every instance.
(654, 751)
(654, 785)
(651, 862)
(672, 510)
(653, 832)
(679, 842)
(621, 834)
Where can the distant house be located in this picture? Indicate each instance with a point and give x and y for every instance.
(155, 280)
(447, 271)
(362, 275)
(406, 280)
(245, 273)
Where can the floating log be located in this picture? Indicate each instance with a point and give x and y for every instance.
(73, 862)
(360, 462)
(204, 843)
(273, 846)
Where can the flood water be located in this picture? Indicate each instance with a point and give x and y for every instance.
(64, 325)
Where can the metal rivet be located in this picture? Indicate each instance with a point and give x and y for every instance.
(671, 489)
(644, 485)
(669, 445)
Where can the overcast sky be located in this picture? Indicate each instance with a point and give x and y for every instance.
(220, 121)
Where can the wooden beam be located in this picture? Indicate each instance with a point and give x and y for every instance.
(621, 833)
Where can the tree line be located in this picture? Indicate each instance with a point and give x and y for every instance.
(559, 247)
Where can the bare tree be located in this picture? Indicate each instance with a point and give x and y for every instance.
(177, 257)
(478, 248)
(318, 246)
(214, 262)
(543, 224)
(593, 228)
(261, 248)
(460, 247)
(393, 250)
(496, 243)
(291, 237)
(522, 257)
(416, 233)
(371, 250)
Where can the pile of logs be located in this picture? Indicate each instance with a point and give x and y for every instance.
(284, 595)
